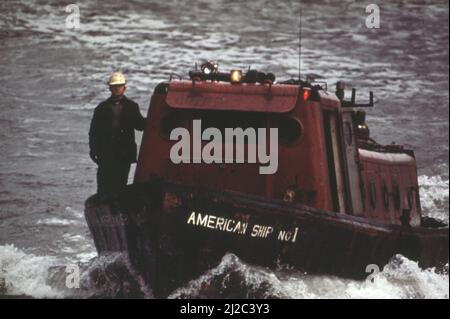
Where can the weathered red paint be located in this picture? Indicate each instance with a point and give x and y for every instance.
(382, 174)
(225, 96)
(302, 163)
(353, 201)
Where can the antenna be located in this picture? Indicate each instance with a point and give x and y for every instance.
(300, 46)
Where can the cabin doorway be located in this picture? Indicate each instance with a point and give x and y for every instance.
(334, 160)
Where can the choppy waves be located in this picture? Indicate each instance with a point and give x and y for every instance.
(434, 193)
(53, 76)
(233, 278)
(23, 274)
(111, 276)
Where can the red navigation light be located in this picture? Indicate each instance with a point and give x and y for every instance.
(306, 94)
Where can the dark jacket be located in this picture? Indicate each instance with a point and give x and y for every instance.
(104, 143)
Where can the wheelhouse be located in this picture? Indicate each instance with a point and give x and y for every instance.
(326, 158)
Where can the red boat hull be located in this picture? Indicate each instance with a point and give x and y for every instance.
(173, 233)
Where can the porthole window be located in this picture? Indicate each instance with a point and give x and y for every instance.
(290, 130)
(373, 194)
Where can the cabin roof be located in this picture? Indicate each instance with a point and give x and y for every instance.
(329, 99)
(232, 97)
(397, 158)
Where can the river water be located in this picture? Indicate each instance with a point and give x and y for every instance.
(53, 76)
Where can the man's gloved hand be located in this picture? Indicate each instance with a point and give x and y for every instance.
(94, 157)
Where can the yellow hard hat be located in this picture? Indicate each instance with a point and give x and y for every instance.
(116, 78)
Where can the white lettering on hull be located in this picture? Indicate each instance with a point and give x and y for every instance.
(239, 227)
(219, 223)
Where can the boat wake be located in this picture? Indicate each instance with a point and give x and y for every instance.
(25, 275)
(233, 278)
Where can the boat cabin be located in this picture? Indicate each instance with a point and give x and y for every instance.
(323, 155)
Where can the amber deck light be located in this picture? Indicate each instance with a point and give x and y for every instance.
(235, 76)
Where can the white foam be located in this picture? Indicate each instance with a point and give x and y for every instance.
(401, 278)
(434, 196)
(73, 212)
(56, 222)
(26, 274)
(73, 238)
(35, 120)
(86, 256)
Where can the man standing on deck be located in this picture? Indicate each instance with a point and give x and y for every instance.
(111, 137)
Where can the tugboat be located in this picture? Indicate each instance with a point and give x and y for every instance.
(328, 199)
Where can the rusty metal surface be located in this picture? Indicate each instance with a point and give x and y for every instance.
(390, 187)
(301, 163)
(225, 96)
